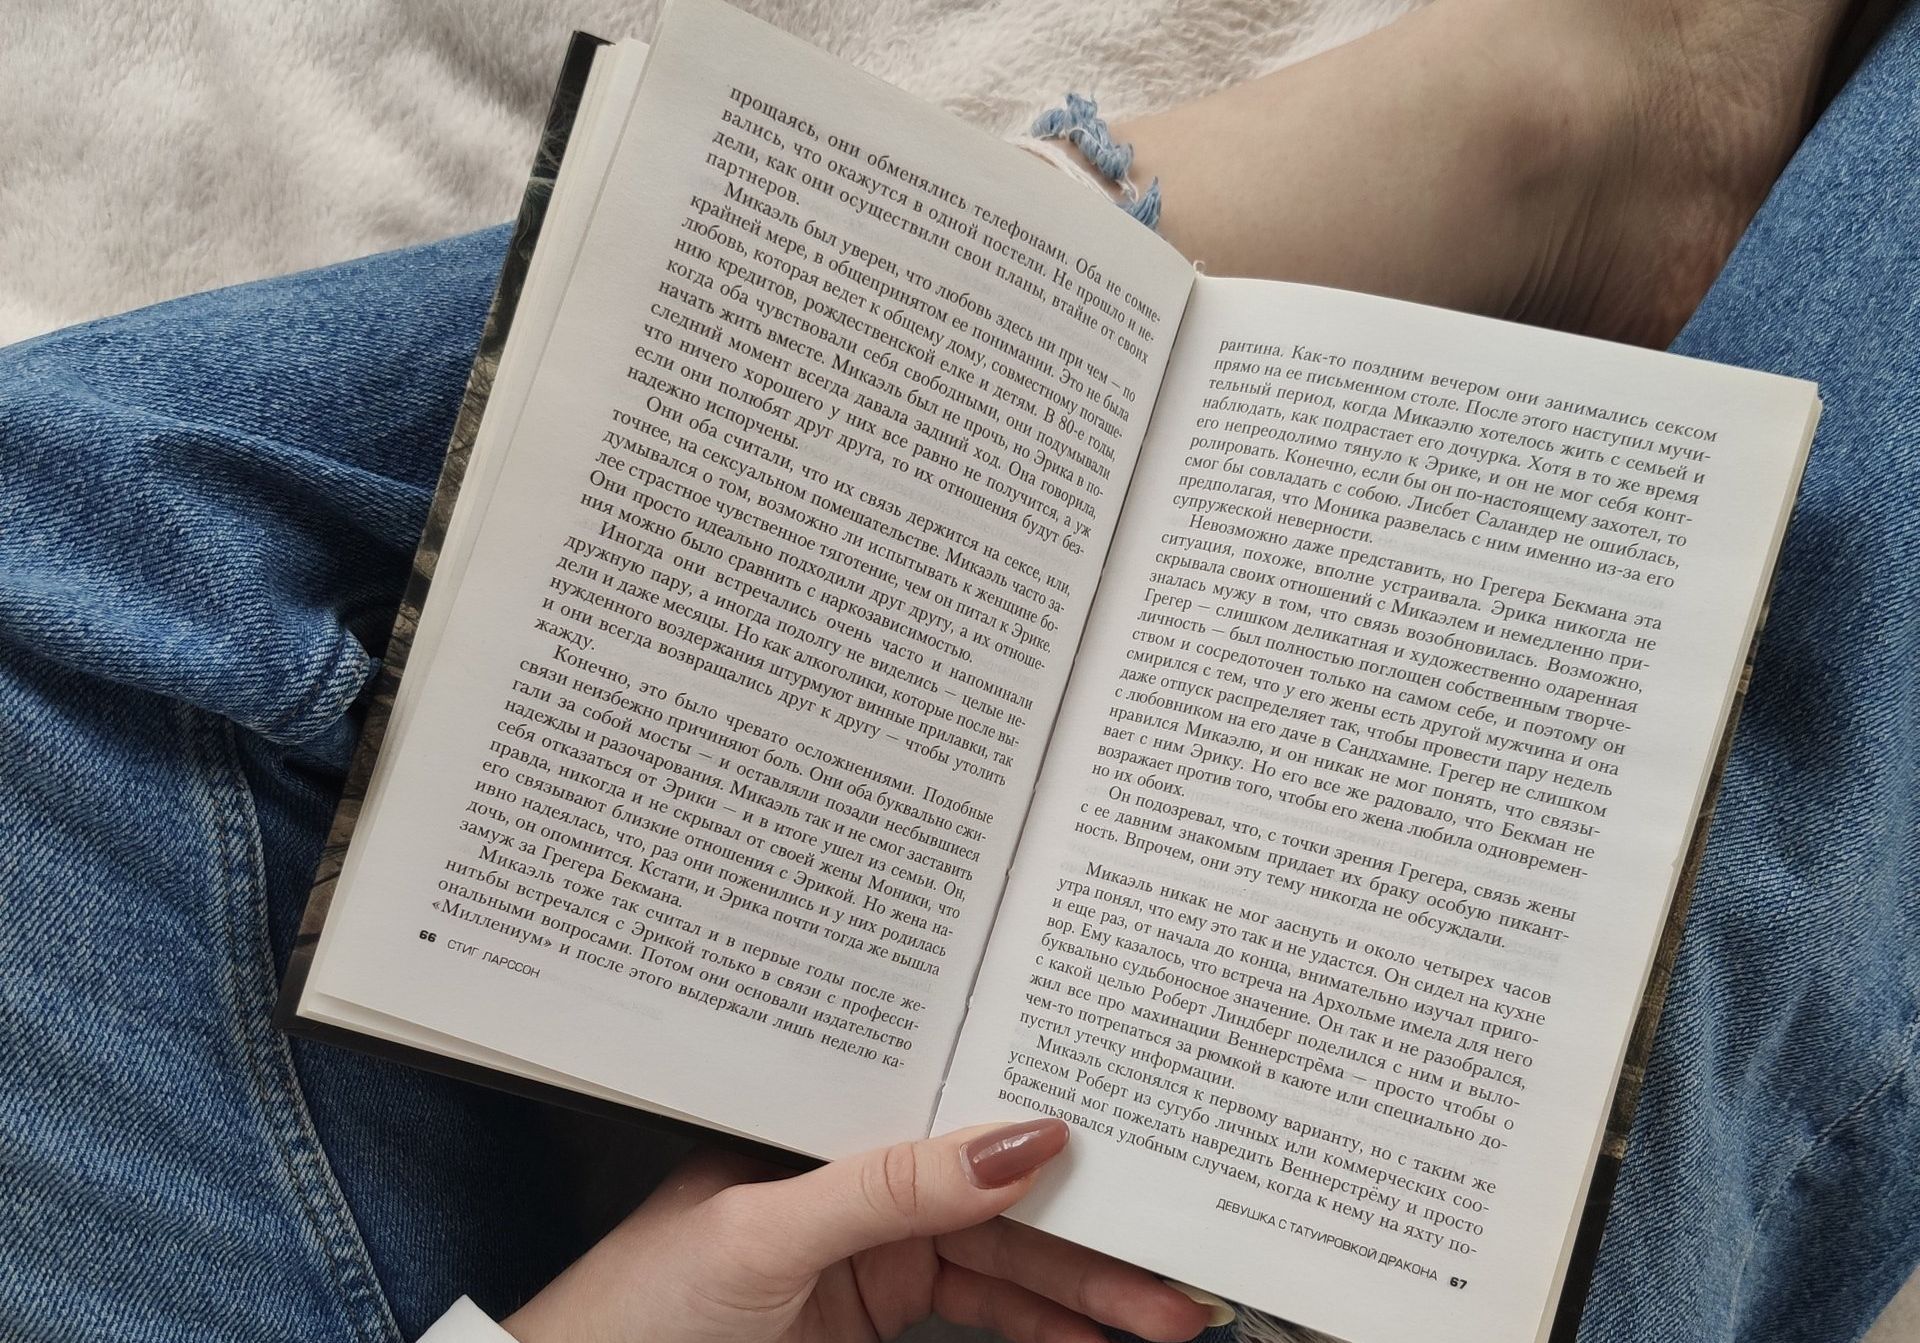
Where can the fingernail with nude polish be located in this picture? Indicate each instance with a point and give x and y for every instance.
(1219, 1311)
(1004, 1155)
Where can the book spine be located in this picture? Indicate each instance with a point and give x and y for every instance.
(561, 112)
(1633, 1071)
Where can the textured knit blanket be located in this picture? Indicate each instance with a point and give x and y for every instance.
(155, 148)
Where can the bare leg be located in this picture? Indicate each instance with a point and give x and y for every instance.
(1587, 164)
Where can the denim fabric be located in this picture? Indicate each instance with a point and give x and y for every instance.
(1770, 1191)
(209, 509)
(206, 512)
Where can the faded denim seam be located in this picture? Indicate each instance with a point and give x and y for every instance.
(266, 1052)
(1903, 1065)
(322, 685)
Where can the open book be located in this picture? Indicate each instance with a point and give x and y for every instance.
(903, 650)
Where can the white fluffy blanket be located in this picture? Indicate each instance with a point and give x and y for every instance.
(155, 148)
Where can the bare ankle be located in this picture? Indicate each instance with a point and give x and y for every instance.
(1691, 108)
(1563, 162)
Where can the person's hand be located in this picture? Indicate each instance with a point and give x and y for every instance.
(853, 1252)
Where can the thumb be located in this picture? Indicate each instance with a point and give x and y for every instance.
(913, 1189)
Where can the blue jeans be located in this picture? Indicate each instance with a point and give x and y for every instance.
(206, 515)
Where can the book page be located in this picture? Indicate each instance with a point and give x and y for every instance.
(709, 787)
(1368, 798)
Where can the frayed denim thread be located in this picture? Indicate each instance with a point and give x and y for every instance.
(1079, 123)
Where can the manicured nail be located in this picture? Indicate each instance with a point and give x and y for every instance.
(1004, 1155)
(1219, 1311)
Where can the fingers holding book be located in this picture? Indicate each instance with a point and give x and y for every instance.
(725, 1251)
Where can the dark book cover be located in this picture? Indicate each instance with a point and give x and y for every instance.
(561, 112)
(1646, 1024)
